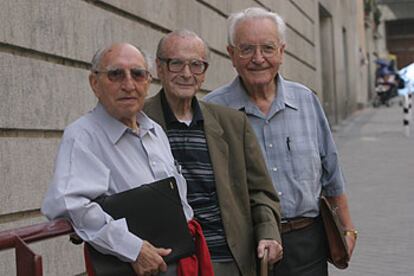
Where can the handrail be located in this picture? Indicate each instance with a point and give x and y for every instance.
(36, 232)
(29, 263)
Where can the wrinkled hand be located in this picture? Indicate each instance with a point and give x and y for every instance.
(275, 250)
(150, 261)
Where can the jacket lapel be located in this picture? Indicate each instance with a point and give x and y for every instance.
(219, 153)
(213, 131)
(153, 109)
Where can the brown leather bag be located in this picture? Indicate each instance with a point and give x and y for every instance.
(338, 248)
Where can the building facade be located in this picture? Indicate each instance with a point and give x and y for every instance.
(45, 52)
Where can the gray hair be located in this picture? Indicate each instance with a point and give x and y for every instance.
(257, 13)
(183, 33)
(97, 57)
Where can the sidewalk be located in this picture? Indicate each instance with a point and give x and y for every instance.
(378, 163)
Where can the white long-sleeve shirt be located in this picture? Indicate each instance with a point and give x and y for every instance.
(100, 155)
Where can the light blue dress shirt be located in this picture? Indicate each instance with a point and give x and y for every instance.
(100, 155)
(296, 141)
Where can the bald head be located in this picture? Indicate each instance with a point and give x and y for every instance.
(96, 62)
(183, 33)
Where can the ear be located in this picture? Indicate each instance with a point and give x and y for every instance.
(159, 69)
(93, 82)
(230, 50)
(282, 51)
(282, 48)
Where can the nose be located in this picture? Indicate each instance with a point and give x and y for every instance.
(187, 71)
(258, 56)
(128, 83)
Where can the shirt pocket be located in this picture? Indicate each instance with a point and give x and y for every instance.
(306, 161)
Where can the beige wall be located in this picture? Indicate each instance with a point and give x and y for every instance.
(45, 49)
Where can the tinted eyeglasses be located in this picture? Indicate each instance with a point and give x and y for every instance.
(119, 75)
(175, 65)
(249, 50)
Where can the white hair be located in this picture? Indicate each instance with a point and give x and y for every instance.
(257, 13)
(97, 57)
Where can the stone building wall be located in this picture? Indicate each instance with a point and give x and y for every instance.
(45, 50)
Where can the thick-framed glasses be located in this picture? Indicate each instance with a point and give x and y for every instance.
(176, 65)
(249, 50)
(119, 74)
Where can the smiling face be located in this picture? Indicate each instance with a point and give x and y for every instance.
(125, 98)
(181, 85)
(257, 70)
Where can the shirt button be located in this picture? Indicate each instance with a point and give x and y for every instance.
(153, 163)
(274, 169)
(279, 193)
(270, 145)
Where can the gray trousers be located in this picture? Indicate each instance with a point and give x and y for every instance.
(225, 269)
(171, 270)
(220, 269)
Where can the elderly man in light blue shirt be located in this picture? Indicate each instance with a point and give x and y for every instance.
(292, 144)
(113, 148)
(294, 135)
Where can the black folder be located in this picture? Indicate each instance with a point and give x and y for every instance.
(154, 213)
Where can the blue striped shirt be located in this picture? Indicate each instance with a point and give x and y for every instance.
(296, 141)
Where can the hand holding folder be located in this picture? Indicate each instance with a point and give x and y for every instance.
(154, 213)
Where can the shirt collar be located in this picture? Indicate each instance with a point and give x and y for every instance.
(242, 101)
(170, 117)
(287, 98)
(116, 129)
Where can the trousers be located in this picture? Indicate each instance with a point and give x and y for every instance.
(304, 252)
(225, 269)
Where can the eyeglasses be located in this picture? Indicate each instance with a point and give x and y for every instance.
(248, 50)
(175, 65)
(119, 75)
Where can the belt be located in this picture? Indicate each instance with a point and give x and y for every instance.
(296, 224)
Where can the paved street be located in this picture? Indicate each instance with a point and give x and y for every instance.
(378, 162)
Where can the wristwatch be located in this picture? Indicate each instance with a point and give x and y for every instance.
(351, 232)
